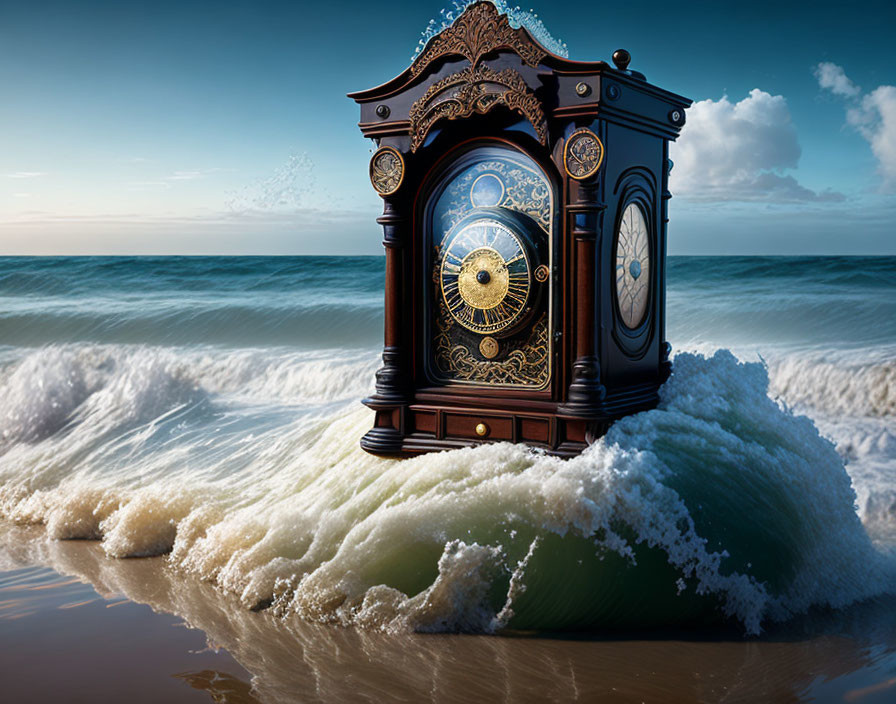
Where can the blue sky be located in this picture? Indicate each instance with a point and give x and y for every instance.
(223, 127)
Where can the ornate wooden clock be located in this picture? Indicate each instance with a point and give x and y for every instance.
(525, 199)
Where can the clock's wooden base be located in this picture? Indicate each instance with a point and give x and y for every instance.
(416, 428)
(413, 445)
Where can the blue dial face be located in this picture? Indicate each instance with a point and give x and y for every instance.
(487, 190)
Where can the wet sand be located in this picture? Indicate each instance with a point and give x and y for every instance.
(77, 626)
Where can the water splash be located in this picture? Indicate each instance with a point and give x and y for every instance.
(290, 187)
(515, 15)
(155, 453)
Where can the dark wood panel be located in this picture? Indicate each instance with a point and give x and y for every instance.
(535, 430)
(424, 421)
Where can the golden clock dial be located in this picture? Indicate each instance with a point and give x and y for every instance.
(485, 276)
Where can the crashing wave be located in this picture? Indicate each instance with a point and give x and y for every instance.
(719, 504)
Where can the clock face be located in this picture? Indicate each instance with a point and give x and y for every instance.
(485, 276)
(632, 266)
(489, 223)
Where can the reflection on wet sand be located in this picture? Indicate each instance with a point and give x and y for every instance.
(222, 687)
(848, 655)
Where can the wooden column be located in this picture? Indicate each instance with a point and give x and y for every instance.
(585, 390)
(391, 381)
(392, 392)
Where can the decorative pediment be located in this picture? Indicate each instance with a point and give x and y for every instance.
(480, 29)
(475, 90)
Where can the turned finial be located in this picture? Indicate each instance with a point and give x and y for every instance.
(622, 59)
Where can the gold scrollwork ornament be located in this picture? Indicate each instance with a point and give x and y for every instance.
(526, 365)
(386, 171)
(582, 154)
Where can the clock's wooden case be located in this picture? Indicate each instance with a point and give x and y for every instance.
(482, 82)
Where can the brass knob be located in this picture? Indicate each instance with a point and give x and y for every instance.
(489, 347)
(482, 430)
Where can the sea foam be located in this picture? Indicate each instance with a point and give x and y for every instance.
(720, 504)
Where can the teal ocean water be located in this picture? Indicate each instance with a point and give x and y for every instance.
(207, 409)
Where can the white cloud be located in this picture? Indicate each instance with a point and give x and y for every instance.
(26, 174)
(193, 174)
(873, 116)
(832, 77)
(186, 175)
(166, 182)
(875, 119)
(148, 185)
(740, 152)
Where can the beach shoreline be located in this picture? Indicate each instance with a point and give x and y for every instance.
(229, 653)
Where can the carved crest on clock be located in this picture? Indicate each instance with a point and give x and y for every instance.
(480, 29)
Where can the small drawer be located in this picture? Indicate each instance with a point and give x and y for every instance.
(478, 426)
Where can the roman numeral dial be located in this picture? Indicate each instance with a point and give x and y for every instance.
(486, 277)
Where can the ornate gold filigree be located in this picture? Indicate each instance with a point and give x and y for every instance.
(386, 171)
(525, 191)
(475, 90)
(480, 29)
(583, 154)
(527, 365)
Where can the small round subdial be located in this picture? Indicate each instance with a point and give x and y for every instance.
(632, 266)
(486, 276)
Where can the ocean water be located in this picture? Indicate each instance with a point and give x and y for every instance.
(207, 409)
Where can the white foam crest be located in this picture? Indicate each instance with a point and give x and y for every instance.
(39, 394)
(837, 382)
(44, 388)
(87, 431)
(851, 397)
(305, 519)
(805, 491)
(293, 377)
(867, 446)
